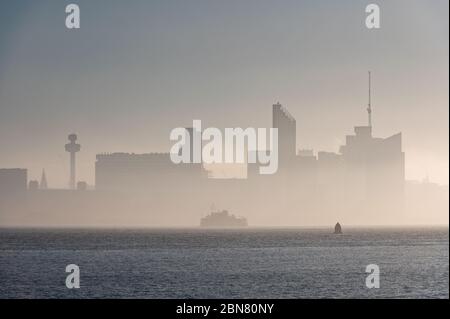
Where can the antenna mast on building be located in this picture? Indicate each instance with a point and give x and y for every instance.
(369, 106)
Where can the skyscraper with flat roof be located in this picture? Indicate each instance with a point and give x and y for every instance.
(374, 167)
(13, 180)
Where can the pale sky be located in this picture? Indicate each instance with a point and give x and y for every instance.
(137, 69)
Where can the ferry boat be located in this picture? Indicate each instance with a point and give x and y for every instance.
(223, 219)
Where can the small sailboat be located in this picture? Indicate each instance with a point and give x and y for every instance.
(338, 229)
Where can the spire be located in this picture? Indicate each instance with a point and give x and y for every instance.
(43, 184)
(369, 106)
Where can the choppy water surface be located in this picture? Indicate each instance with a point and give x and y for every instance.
(252, 263)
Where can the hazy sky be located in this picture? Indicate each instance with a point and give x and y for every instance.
(137, 69)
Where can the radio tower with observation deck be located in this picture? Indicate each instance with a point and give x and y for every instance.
(72, 148)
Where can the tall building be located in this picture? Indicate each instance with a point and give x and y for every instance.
(374, 167)
(193, 135)
(13, 181)
(366, 177)
(286, 125)
(13, 192)
(143, 172)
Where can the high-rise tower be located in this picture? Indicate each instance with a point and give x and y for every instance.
(286, 125)
(72, 148)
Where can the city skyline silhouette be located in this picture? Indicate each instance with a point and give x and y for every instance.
(232, 157)
(120, 88)
(361, 184)
(125, 86)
